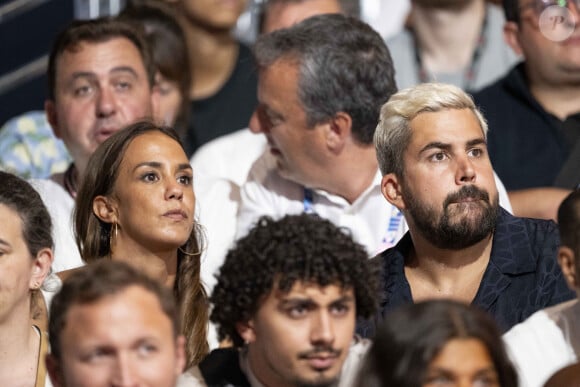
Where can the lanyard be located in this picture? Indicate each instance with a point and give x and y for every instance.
(391, 236)
(471, 70)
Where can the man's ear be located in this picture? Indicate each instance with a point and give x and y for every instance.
(104, 209)
(246, 331)
(41, 267)
(511, 36)
(566, 259)
(54, 370)
(338, 131)
(391, 189)
(52, 116)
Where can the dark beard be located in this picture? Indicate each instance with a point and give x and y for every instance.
(464, 232)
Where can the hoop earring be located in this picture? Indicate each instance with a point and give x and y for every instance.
(189, 254)
(113, 233)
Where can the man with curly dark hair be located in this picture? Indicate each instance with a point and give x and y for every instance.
(288, 296)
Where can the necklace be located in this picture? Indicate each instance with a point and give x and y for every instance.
(70, 181)
(468, 74)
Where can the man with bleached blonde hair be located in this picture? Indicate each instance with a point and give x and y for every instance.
(432, 152)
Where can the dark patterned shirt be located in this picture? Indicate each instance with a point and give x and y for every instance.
(522, 276)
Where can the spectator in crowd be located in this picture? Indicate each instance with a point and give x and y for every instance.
(25, 259)
(111, 325)
(28, 145)
(100, 79)
(437, 343)
(136, 204)
(223, 87)
(288, 296)
(550, 338)
(222, 165)
(451, 41)
(431, 147)
(533, 111)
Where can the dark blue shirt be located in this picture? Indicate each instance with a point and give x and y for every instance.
(522, 276)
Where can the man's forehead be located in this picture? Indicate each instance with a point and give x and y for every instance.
(312, 290)
(111, 51)
(438, 122)
(285, 14)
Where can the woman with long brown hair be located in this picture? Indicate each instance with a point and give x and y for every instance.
(136, 204)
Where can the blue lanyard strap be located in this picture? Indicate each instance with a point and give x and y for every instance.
(307, 201)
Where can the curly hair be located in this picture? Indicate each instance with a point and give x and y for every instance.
(296, 248)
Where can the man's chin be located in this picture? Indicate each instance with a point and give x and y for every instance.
(321, 379)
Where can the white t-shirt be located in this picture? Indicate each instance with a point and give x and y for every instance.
(545, 342)
(60, 205)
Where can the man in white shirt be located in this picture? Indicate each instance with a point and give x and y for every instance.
(550, 338)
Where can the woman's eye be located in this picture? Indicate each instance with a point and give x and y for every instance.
(185, 180)
(149, 177)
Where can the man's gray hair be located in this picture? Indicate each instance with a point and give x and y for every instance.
(343, 64)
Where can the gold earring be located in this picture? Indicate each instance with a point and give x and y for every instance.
(113, 234)
(189, 254)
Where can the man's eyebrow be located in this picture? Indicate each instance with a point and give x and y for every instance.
(436, 145)
(447, 147)
(83, 74)
(477, 141)
(124, 69)
(309, 301)
(92, 76)
(346, 299)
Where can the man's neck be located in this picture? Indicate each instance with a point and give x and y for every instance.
(447, 38)
(353, 174)
(560, 100)
(212, 57)
(434, 272)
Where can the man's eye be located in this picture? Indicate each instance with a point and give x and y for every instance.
(438, 381)
(146, 349)
(297, 311)
(123, 85)
(95, 355)
(340, 310)
(476, 152)
(439, 156)
(82, 91)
